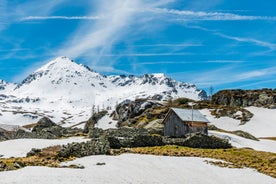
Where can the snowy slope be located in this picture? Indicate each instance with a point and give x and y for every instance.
(263, 123)
(240, 142)
(66, 91)
(6, 87)
(130, 168)
(20, 147)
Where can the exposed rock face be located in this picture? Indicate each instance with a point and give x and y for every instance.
(199, 141)
(90, 124)
(45, 129)
(233, 112)
(244, 98)
(128, 112)
(43, 123)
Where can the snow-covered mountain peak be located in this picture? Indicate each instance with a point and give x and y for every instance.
(59, 64)
(63, 88)
(2, 84)
(5, 86)
(60, 70)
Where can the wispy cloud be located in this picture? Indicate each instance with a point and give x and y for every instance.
(98, 39)
(269, 45)
(41, 7)
(231, 75)
(14, 50)
(148, 54)
(3, 19)
(171, 45)
(102, 34)
(211, 16)
(184, 62)
(257, 73)
(61, 17)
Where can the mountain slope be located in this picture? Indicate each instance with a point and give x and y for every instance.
(5, 86)
(66, 91)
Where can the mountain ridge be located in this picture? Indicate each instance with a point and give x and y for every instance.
(71, 89)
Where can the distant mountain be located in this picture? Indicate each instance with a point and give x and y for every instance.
(66, 91)
(5, 85)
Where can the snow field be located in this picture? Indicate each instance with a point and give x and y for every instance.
(136, 169)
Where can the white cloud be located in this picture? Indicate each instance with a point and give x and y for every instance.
(211, 16)
(41, 7)
(257, 73)
(172, 45)
(61, 17)
(254, 41)
(103, 33)
(183, 62)
(232, 74)
(269, 45)
(149, 54)
(97, 40)
(3, 19)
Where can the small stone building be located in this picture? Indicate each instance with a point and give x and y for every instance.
(179, 122)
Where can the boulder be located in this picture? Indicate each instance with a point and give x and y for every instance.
(43, 123)
(128, 111)
(93, 147)
(199, 141)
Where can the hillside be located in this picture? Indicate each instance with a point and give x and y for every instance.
(245, 98)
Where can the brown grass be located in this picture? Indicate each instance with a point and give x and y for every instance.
(269, 138)
(29, 126)
(47, 157)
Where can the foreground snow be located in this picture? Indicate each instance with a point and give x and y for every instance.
(131, 168)
(240, 142)
(20, 147)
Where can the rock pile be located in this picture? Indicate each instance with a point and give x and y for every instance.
(44, 129)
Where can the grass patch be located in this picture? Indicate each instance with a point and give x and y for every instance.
(29, 126)
(263, 162)
(46, 157)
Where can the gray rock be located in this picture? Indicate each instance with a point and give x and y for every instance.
(43, 123)
(245, 98)
(93, 147)
(90, 124)
(199, 141)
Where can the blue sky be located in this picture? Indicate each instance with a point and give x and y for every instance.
(219, 43)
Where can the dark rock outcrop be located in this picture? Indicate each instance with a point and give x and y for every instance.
(93, 147)
(45, 129)
(129, 113)
(90, 124)
(199, 141)
(243, 115)
(244, 98)
(43, 123)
